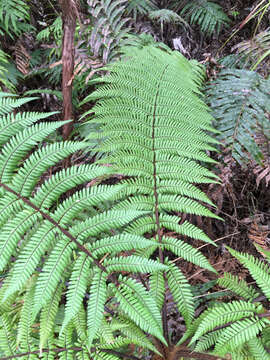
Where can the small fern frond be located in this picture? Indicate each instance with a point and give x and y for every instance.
(118, 243)
(9, 102)
(51, 32)
(157, 288)
(14, 16)
(208, 15)
(239, 100)
(21, 144)
(133, 264)
(258, 270)
(110, 27)
(141, 7)
(48, 280)
(13, 123)
(25, 323)
(80, 322)
(240, 321)
(171, 222)
(208, 340)
(166, 16)
(76, 289)
(237, 286)
(132, 332)
(240, 332)
(225, 313)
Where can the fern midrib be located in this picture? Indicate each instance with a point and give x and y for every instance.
(161, 257)
(238, 124)
(155, 167)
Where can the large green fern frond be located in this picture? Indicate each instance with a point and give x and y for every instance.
(160, 144)
(153, 124)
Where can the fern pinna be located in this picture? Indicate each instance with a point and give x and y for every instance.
(153, 125)
(241, 327)
(65, 250)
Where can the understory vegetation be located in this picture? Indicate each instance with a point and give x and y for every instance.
(134, 180)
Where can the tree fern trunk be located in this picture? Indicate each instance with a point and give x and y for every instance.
(69, 26)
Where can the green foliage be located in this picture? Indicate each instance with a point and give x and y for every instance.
(208, 15)
(181, 293)
(140, 7)
(166, 16)
(238, 327)
(56, 249)
(141, 120)
(239, 100)
(69, 289)
(259, 271)
(14, 16)
(109, 27)
(53, 31)
(59, 233)
(139, 41)
(3, 69)
(238, 286)
(254, 50)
